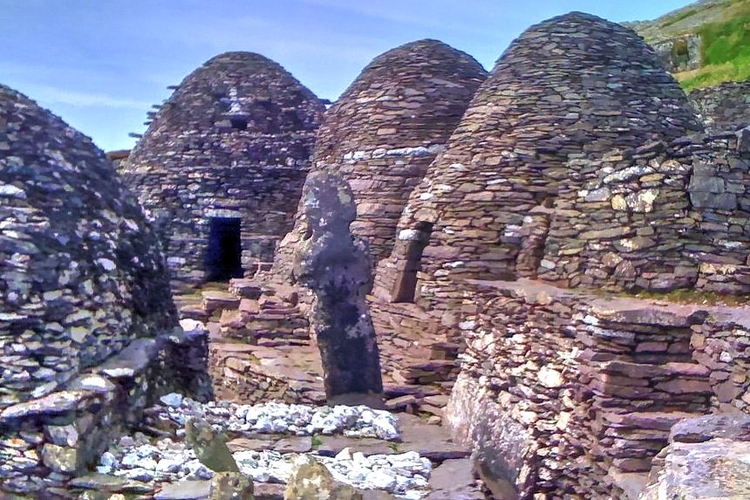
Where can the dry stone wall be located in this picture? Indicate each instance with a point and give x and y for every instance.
(385, 130)
(725, 106)
(565, 393)
(569, 93)
(658, 218)
(232, 146)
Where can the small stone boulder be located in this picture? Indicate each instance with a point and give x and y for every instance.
(706, 458)
(210, 446)
(231, 486)
(311, 480)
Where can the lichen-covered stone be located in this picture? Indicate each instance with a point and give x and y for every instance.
(233, 142)
(210, 446)
(311, 480)
(706, 458)
(231, 486)
(337, 269)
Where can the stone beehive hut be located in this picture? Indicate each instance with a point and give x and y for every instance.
(84, 298)
(498, 203)
(81, 273)
(222, 160)
(387, 127)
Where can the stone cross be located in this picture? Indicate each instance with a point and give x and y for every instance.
(336, 267)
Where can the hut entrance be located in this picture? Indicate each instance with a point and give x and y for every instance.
(405, 285)
(224, 254)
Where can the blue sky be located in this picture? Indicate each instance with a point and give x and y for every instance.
(101, 64)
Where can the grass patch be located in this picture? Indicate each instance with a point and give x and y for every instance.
(679, 17)
(725, 49)
(708, 76)
(690, 296)
(316, 442)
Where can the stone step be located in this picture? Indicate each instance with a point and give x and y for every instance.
(214, 300)
(246, 288)
(193, 311)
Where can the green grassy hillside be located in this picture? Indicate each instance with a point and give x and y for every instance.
(724, 28)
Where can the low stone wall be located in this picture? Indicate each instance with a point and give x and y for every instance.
(47, 441)
(568, 393)
(240, 376)
(725, 106)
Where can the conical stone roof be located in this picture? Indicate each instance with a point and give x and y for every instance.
(81, 273)
(388, 126)
(568, 91)
(233, 141)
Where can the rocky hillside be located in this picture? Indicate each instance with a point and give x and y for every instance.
(704, 43)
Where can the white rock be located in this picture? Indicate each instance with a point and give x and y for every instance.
(172, 399)
(380, 480)
(345, 454)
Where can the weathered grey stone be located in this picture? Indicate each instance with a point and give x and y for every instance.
(185, 490)
(210, 446)
(61, 459)
(231, 486)
(706, 458)
(724, 106)
(337, 268)
(311, 480)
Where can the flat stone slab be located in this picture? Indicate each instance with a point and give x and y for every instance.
(214, 300)
(108, 483)
(132, 360)
(431, 441)
(184, 490)
(250, 444)
(52, 404)
(454, 480)
(331, 445)
(269, 491)
(296, 444)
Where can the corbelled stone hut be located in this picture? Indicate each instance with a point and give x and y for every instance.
(221, 162)
(84, 298)
(499, 202)
(386, 129)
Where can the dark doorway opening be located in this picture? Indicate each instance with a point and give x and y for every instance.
(238, 123)
(224, 254)
(405, 286)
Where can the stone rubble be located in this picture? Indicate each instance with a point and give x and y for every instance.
(169, 459)
(232, 142)
(281, 418)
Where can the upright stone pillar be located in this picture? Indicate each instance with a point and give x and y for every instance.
(337, 268)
